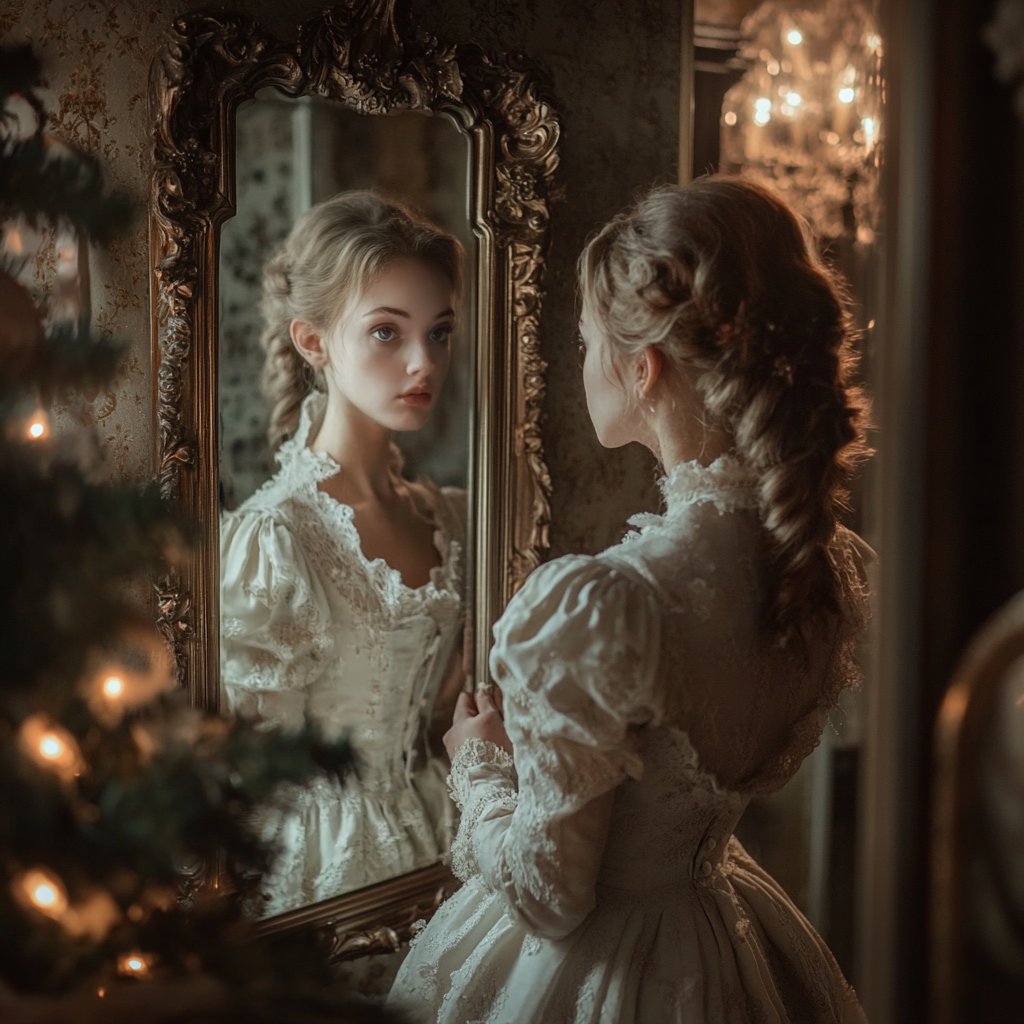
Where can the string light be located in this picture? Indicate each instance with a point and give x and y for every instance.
(794, 99)
(762, 110)
(847, 94)
(50, 746)
(135, 965)
(795, 37)
(113, 687)
(42, 890)
(127, 675)
(38, 427)
(730, 117)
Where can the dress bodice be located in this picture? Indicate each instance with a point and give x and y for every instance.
(646, 704)
(311, 629)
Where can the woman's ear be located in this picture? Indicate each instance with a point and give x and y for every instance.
(649, 370)
(309, 343)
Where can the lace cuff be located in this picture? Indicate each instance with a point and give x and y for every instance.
(482, 779)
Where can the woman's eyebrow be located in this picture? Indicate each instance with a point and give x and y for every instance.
(401, 312)
(388, 309)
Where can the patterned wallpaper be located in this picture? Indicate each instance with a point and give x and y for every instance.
(612, 68)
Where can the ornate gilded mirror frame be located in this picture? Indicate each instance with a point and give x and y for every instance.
(360, 54)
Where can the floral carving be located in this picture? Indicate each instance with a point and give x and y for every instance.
(363, 55)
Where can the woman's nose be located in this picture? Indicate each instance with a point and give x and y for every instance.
(420, 359)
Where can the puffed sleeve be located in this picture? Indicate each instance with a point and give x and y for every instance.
(275, 620)
(576, 656)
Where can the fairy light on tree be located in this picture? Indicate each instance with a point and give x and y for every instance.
(43, 890)
(111, 782)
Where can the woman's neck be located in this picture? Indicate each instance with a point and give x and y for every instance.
(677, 426)
(360, 446)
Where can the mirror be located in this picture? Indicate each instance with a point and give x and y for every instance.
(312, 625)
(250, 132)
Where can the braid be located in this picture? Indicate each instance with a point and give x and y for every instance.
(287, 378)
(722, 277)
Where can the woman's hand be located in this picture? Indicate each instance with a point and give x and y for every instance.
(478, 715)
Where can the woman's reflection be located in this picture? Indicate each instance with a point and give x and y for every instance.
(342, 582)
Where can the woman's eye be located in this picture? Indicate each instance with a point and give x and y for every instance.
(441, 335)
(383, 333)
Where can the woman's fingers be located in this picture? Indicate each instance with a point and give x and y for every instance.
(465, 707)
(485, 701)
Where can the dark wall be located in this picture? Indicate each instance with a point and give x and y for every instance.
(973, 514)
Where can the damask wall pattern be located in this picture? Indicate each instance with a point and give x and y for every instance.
(612, 70)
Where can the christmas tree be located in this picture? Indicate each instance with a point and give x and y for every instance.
(117, 798)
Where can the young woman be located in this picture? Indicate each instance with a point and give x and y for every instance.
(342, 583)
(649, 692)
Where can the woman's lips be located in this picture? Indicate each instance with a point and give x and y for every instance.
(416, 398)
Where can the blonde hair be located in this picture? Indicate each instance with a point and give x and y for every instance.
(725, 280)
(333, 252)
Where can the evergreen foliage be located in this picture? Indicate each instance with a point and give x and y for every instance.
(114, 799)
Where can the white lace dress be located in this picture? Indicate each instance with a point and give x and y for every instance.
(312, 629)
(602, 881)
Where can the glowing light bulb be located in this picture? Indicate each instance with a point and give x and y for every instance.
(869, 128)
(44, 895)
(43, 890)
(135, 964)
(730, 117)
(762, 103)
(38, 425)
(794, 99)
(846, 94)
(113, 687)
(762, 116)
(50, 746)
(795, 37)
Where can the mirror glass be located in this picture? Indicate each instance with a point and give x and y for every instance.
(344, 551)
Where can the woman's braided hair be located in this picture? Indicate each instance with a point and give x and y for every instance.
(725, 280)
(333, 252)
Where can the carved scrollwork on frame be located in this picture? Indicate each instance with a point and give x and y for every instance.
(357, 53)
(360, 54)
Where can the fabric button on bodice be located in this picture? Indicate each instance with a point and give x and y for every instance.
(706, 868)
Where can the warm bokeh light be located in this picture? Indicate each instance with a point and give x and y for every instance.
(794, 99)
(847, 95)
(38, 426)
(43, 890)
(795, 37)
(113, 687)
(136, 964)
(730, 117)
(49, 745)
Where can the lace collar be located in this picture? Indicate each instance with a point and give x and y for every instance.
(727, 483)
(301, 465)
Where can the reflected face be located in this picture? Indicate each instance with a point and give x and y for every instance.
(612, 410)
(390, 354)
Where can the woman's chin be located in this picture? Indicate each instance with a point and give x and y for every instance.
(409, 420)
